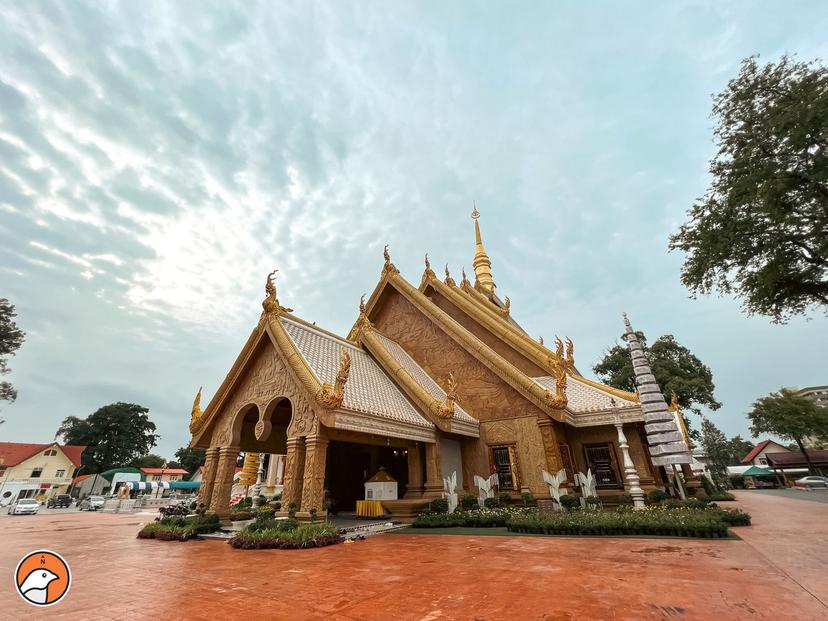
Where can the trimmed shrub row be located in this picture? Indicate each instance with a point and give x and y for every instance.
(474, 518)
(176, 528)
(659, 522)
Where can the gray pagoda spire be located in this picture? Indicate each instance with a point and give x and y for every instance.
(667, 445)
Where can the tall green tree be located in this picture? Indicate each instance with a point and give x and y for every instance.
(675, 368)
(761, 230)
(190, 458)
(739, 447)
(716, 446)
(791, 417)
(11, 338)
(115, 435)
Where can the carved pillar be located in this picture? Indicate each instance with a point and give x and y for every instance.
(414, 489)
(313, 489)
(434, 472)
(205, 492)
(225, 469)
(294, 473)
(552, 449)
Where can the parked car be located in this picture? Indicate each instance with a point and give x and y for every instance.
(24, 505)
(91, 503)
(812, 481)
(61, 501)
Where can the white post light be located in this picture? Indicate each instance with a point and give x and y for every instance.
(630, 473)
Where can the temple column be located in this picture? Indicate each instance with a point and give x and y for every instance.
(223, 486)
(552, 450)
(313, 488)
(414, 489)
(205, 492)
(294, 473)
(272, 465)
(434, 473)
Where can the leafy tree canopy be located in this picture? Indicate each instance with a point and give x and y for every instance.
(115, 435)
(721, 452)
(761, 230)
(791, 417)
(150, 461)
(11, 338)
(674, 366)
(190, 458)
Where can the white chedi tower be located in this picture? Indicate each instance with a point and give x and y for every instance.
(667, 445)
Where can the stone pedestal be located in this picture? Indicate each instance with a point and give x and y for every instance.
(313, 488)
(632, 483)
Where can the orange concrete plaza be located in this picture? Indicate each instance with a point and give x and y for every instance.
(776, 572)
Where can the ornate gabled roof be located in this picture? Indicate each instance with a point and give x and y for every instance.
(368, 390)
(582, 397)
(429, 391)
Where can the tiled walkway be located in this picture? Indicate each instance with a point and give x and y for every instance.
(777, 572)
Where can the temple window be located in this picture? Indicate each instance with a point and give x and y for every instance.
(36, 473)
(601, 460)
(504, 462)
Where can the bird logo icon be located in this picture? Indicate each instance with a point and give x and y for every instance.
(43, 578)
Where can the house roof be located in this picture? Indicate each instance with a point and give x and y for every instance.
(163, 471)
(795, 459)
(758, 449)
(13, 453)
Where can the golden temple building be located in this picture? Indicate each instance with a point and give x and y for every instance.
(432, 379)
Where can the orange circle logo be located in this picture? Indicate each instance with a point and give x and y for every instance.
(43, 578)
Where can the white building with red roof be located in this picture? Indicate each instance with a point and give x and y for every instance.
(164, 475)
(36, 470)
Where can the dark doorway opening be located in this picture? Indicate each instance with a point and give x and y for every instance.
(349, 465)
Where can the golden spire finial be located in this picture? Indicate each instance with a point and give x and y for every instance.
(482, 264)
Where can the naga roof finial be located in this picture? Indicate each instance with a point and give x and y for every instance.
(427, 262)
(272, 307)
(362, 304)
(540, 340)
(386, 255)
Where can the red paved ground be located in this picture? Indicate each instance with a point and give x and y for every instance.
(426, 577)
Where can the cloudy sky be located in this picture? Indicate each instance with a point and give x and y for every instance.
(158, 159)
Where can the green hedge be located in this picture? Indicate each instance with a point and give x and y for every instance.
(302, 536)
(480, 518)
(656, 521)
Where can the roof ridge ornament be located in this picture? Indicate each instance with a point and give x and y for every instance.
(465, 281)
(388, 267)
(330, 396)
(428, 273)
(272, 307)
(449, 280)
(197, 415)
(362, 322)
(445, 409)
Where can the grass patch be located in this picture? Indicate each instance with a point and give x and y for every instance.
(177, 528)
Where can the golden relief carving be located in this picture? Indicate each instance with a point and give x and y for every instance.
(272, 307)
(197, 416)
(331, 396)
(485, 394)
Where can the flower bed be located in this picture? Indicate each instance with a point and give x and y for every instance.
(480, 518)
(175, 528)
(657, 521)
(286, 537)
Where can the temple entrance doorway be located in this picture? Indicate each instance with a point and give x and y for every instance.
(350, 465)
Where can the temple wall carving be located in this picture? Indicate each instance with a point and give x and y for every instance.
(514, 357)
(480, 391)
